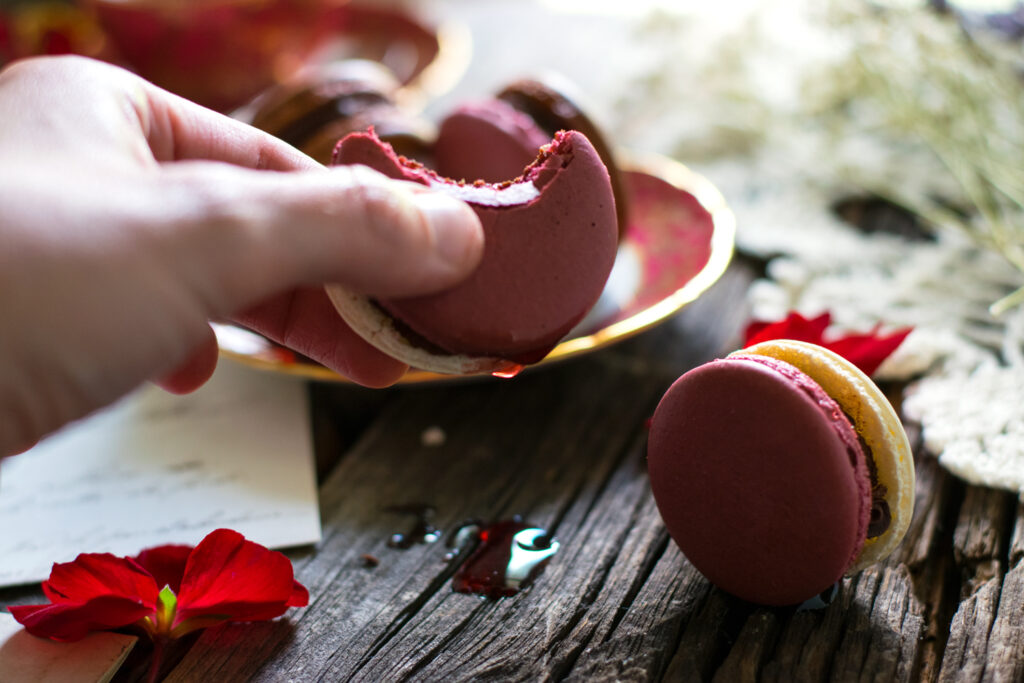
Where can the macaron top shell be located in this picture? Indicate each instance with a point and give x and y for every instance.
(409, 135)
(759, 478)
(488, 140)
(875, 421)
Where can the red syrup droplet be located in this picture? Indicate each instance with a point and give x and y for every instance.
(508, 371)
(422, 530)
(508, 557)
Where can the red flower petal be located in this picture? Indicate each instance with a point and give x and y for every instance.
(225, 578)
(73, 621)
(93, 575)
(232, 579)
(867, 351)
(299, 596)
(166, 563)
(795, 326)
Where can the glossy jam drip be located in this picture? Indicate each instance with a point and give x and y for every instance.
(422, 530)
(508, 371)
(508, 557)
(464, 538)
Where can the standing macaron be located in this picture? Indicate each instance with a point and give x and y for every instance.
(779, 469)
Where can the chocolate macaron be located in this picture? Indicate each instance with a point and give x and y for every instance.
(779, 469)
(550, 240)
(324, 104)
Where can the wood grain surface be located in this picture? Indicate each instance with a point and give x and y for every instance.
(564, 448)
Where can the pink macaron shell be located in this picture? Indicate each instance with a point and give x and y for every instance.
(488, 140)
(760, 479)
(549, 245)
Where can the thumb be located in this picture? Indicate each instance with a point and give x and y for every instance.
(242, 235)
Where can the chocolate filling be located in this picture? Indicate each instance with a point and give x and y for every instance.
(411, 335)
(881, 516)
(344, 106)
(420, 342)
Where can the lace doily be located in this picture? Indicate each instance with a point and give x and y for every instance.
(701, 98)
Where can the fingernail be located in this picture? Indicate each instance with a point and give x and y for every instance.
(456, 228)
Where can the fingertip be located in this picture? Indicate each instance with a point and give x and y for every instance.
(377, 377)
(456, 233)
(18, 450)
(397, 238)
(195, 371)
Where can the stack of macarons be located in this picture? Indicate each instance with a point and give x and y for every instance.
(779, 469)
(491, 139)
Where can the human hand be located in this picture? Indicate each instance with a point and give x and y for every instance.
(131, 217)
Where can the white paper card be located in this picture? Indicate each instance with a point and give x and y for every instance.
(157, 469)
(24, 658)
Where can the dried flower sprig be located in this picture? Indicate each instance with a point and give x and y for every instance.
(890, 98)
(920, 77)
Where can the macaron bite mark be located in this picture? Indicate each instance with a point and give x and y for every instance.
(550, 238)
(779, 469)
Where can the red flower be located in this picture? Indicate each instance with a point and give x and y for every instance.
(168, 590)
(866, 351)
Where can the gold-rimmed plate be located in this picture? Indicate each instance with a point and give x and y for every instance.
(678, 243)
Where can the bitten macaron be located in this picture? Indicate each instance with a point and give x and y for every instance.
(779, 469)
(550, 240)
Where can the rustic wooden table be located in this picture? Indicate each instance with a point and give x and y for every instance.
(564, 448)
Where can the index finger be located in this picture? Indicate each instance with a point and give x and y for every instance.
(177, 129)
